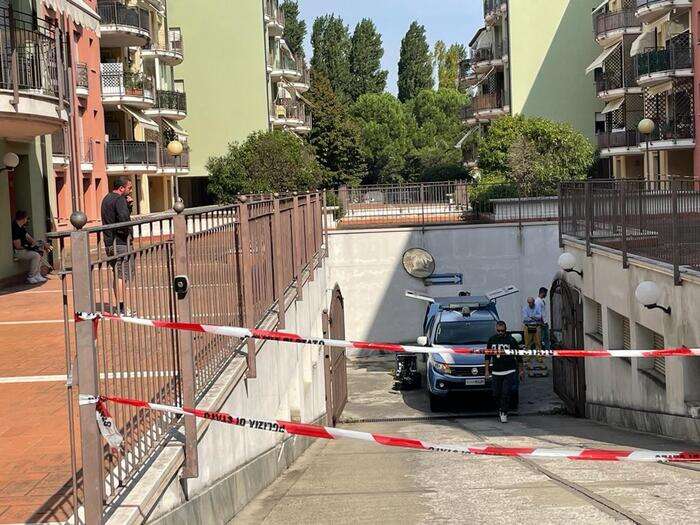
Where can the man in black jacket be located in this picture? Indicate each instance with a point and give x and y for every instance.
(116, 208)
(503, 368)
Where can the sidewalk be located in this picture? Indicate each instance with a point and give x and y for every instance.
(347, 481)
(34, 443)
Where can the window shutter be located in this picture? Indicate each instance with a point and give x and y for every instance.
(626, 337)
(659, 362)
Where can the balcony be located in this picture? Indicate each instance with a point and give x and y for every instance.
(81, 82)
(490, 105)
(134, 89)
(467, 76)
(171, 165)
(649, 10)
(304, 83)
(672, 133)
(306, 125)
(614, 143)
(609, 26)
(655, 66)
(274, 18)
(485, 58)
(169, 104)
(494, 10)
(610, 86)
(29, 92)
(288, 114)
(286, 67)
(123, 26)
(131, 156)
(170, 53)
(60, 153)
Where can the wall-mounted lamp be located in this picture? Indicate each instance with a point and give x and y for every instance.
(648, 294)
(567, 262)
(10, 161)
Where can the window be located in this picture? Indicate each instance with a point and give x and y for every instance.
(593, 320)
(626, 336)
(659, 364)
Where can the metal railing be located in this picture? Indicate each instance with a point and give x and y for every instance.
(167, 160)
(241, 260)
(174, 100)
(58, 144)
(289, 109)
(488, 101)
(127, 85)
(658, 220)
(681, 128)
(604, 22)
(28, 54)
(648, 3)
(484, 54)
(677, 55)
(618, 139)
(82, 80)
(116, 13)
(273, 11)
(433, 203)
(492, 5)
(131, 152)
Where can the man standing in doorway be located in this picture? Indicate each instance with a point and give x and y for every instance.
(503, 368)
(116, 208)
(542, 304)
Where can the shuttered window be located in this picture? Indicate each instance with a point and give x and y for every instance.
(659, 362)
(626, 337)
(598, 319)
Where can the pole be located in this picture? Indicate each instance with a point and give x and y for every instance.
(675, 233)
(623, 223)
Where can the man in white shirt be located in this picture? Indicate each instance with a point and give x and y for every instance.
(542, 304)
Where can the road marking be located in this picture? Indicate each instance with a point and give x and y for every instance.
(110, 375)
(32, 379)
(43, 321)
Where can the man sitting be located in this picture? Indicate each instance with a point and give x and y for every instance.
(26, 248)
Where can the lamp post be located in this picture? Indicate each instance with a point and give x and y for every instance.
(567, 262)
(10, 161)
(175, 148)
(648, 294)
(646, 127)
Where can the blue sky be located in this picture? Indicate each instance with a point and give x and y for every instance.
(447, 20)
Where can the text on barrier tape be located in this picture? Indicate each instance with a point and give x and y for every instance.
(320, 432)
(287, 337)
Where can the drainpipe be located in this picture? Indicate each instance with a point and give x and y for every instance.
(694, 28)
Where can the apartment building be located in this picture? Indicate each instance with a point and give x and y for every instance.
(645, 71)
(48, 58)
(241, 77)
(528, 59)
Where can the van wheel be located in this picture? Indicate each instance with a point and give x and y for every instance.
(437, 403)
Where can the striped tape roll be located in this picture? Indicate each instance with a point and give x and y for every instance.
(321, 432)
(287, 337)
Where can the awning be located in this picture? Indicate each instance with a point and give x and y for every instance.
(142, 119)
(182, 135)
(660, 88)
(476, 36)
(613, 105)
(485, 39)
(79, 10)
(598, 62)
(648, 37)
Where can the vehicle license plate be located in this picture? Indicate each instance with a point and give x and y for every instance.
(473, 381)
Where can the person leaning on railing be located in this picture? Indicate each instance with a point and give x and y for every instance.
(116, 208)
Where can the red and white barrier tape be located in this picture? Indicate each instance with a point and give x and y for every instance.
(320, 432)
(286, 337)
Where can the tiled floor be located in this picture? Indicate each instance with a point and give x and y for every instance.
(35, 466)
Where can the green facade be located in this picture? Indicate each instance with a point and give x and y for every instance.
(224, 72)
(551, 44)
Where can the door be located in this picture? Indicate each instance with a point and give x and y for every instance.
(335, 370)
(569, 374)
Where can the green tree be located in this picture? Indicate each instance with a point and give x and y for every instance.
(335, 136)
(535, 150)
(365, 60)
(386, 131)
(330, 39)
(267, 161)
(447, 63)
(415, 64)
(294, 28)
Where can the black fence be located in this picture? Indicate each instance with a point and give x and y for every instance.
(658, 220)
(174, 100)
(124, 152)
(119, 14)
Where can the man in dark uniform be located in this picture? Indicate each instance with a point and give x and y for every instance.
(503, 368)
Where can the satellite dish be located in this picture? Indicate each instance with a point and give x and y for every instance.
(418, 263)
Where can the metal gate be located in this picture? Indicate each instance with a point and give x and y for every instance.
(567, 332)
(334, 359)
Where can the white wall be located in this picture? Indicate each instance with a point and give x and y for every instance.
(367, 265)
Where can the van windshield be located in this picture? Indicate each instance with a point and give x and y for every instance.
(465, 332)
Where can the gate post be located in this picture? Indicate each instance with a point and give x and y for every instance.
(277, 279)
(88, 378)
(187, 368)
(246, 262)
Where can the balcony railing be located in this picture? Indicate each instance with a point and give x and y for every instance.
(116, 13)
(658, 220)
(648, 3)
(273, 11)
(58, 144)
(174, 100)
(483, 54)
(618, 139)
(127, 84)
(289, 110)
(488, 101)
(31, 42)
(677, 55)
(171, 161)
(680, 128)
(82, 80)
(492, 5)
(605, 22)
(131, 152)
